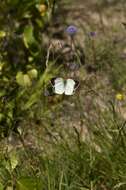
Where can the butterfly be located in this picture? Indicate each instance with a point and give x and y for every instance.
(67, 86)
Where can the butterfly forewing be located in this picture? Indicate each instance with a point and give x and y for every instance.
(59, 86)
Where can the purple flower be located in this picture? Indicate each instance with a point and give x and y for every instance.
(71, 30)
(92, 34)
(73, 66)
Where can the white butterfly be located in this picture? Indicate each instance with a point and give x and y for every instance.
(62, 86)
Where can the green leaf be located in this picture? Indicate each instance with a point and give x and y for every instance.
(4, 173)
(27, 80)
(19, 78)
(23, 79)
(1, 116)
(28, 36)
(13, 161)
(117, 186)
(14, 2)
(26, 183)
(33, 73)
(2, 34)
(1, 186)
(2, 93)
(9, 188)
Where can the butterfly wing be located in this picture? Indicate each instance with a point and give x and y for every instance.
(124, 24)
(69, 86)
(58, 85)
(77, 83)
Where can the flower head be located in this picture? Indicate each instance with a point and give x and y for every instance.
(119, 96)
(71, 30)
(2, 34)
(92, 34)
(42, 9)
(73, 66)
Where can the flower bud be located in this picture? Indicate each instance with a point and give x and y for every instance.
(27, 80)
(33, 73)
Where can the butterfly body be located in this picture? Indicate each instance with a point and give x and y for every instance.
(62, 86)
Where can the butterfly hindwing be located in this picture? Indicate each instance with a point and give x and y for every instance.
(69, 87)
